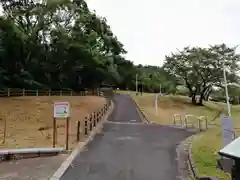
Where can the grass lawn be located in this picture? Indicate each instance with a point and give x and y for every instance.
(29, 119)
(206, 144)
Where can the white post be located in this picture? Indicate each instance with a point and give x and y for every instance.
(37, 92)
(226, 90)
(23, 92)
(136, 83)
(156, 104)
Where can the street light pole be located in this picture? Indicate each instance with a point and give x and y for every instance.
(226, 90)
(136, 83)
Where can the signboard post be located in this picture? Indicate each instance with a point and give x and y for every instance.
(227, 130)
(156, 104)
(61, 111)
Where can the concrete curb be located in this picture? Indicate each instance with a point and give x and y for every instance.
(141, 114)
(17, 154)
(192, 166)
(62, 169)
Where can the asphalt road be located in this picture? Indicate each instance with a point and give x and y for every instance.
(128, 151)
(124, 110)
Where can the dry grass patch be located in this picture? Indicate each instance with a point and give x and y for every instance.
(170, 105)
(29, 119)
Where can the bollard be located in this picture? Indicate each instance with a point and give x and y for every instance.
(206, 122)
(102, 112)
(199, 125)
(78, 130)
(86, 126)
(94, 119)
(99, 116)
(90, 123)
(105, 107)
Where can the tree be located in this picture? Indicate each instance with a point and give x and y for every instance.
(202, 68)
(57, 44)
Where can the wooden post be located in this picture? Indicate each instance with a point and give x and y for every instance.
(5, 129)
(78, 130)
(49, 92)
(101, 112)
(60, 92)
(71, 93)
(94, 119)
(9, 92)
(86, 126)
(23, 92)
(98, 116)
(54, 132)
(67, 133)
(90, 124)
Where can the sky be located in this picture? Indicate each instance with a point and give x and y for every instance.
(152, 29)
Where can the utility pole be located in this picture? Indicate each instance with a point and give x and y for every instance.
(136, 84)
(226, 90)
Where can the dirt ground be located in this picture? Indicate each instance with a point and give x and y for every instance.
(29, 119)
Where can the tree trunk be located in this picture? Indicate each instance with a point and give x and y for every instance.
(207, 94)
(194, 98)
(200, 102)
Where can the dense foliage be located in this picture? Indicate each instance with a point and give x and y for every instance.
(62, 44)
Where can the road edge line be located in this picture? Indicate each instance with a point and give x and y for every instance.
(64, 166)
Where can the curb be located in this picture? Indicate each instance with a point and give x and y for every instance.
(139, 111)
(17, 154)
(64, 166)
(192, 166)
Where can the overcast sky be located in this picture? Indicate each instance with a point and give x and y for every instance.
(151, 29)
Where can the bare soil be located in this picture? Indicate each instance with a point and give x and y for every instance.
(29, 120)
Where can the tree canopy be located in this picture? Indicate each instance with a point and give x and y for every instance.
(62, 44)
(202, 68)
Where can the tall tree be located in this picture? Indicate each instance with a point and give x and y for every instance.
(202, 68)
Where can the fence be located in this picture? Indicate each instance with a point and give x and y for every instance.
(91, 121)
(43, 92)
(107, 92)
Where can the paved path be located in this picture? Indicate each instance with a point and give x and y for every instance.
(128, 151)
(31, 169)
(124, 110)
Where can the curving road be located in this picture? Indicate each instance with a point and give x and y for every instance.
(128, 151)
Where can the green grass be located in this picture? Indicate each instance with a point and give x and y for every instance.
(206, 145)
